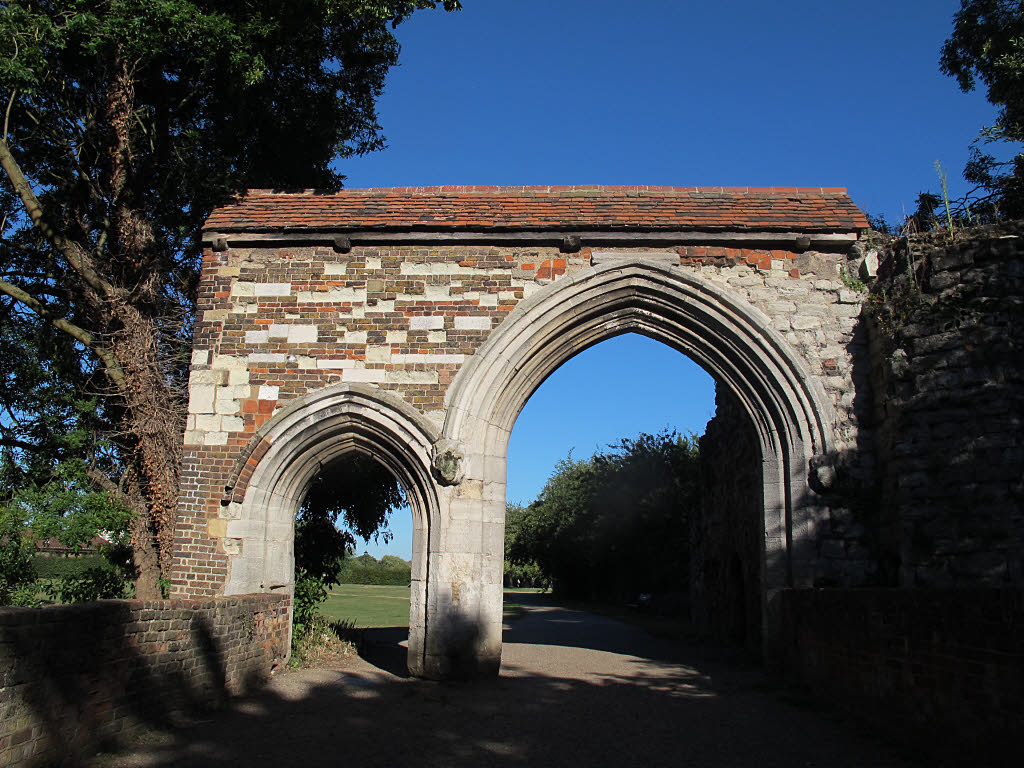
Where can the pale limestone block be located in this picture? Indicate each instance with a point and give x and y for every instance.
(232, 424)
(780, 307)
(334, 295)
(305, 362)
(475, 295)
(268, 357)
(781, 323)
(355, 337)
(436, 292)
(762, 294)
(215, 315)
(506, 296)
(207, 376)
(335, 364)
(847, 296)
(268, 392)
(194, 437)
(426, 323)
(200, 357)
(397, 337)
(412, 377)
(373, 262)
(336, 269)
(256, 337)
(378, 354)
(488, 300)
(229, 362)
(227, 406)
(302, 334)
(278, 330)
(427, 358)
(190, 421)
(463, 322)
(208, 422)
(200, 398)
(381, 307)
(238, 378)
(529, 289)
(358, 311)
(215, 438)
(437, 337)
(272, 289)
(243, 289)
(232, 546)
(368, 375)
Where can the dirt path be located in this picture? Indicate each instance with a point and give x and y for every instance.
(576, 690)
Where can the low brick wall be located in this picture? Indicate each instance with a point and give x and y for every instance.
(78, 678)
(941, 671)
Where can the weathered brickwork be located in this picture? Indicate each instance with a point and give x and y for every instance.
(78, 678)
(275, 324)
(414, 324)
(948, 360)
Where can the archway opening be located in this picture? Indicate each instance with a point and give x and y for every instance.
(351, 502)
(610, 500)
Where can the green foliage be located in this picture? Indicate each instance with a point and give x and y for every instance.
(124, 124)
(356, 491)
(365, 569)
(615, 525)
(987, 48)
(102, 582)
(17, 573)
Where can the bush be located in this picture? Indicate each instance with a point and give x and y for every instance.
(365, 569)
(17, 574)
(59, 566)
(97, 583)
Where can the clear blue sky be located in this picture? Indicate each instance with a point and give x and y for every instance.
(733, 93)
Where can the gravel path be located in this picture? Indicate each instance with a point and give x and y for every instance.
(575, 690)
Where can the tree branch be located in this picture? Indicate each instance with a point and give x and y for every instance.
(110, 363)
(71, 251)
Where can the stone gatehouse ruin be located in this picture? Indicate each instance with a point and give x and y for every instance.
(862, 476)
(414, 324)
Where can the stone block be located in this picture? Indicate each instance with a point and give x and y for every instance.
(271, 289)
(472, 323)
(256, 337)
(200, 398)
(268, 392)
(302, 334)
(426, 322)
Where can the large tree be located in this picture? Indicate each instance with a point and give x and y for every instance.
(124, 122)
(987, 48)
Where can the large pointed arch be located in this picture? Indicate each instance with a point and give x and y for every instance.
(291, 449)
(716, 328)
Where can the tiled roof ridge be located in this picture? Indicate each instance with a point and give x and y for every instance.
(552, 189)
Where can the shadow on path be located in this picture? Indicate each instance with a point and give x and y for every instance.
(616, 698)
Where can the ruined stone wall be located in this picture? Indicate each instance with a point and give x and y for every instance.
(78, 678)
(726, 535)
(948, 364)
(275, 323)
(937, 671)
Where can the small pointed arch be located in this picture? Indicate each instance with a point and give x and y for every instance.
(290, 451)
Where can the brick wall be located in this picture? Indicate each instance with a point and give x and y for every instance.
(940, 672)
(78, 678)
(275, 323)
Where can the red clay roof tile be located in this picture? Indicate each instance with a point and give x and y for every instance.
(810, 209)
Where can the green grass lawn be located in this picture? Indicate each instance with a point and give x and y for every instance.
(367, 606)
